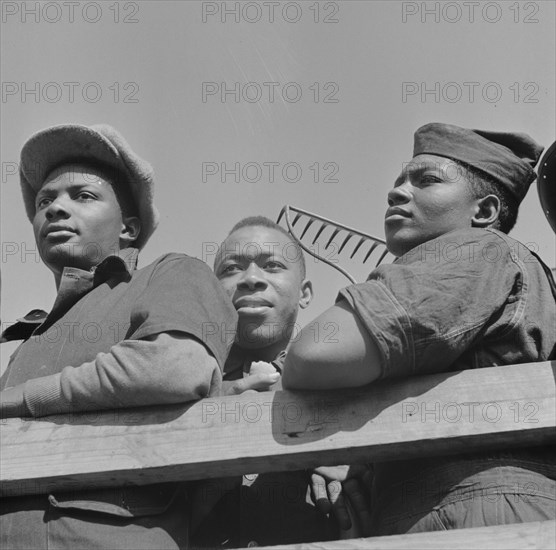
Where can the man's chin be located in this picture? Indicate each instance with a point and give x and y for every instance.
(252, 335)
(64, 255)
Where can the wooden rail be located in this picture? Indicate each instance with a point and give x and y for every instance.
(537, 535)
(259, 432)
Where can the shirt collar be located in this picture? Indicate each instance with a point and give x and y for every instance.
(74, 284)
(238, 362)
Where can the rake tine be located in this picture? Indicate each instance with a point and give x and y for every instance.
(336, 231)
(382, 257)
(323, 227)
(345, 242)
(307, 227)
(375, 244)
(361, 241)
(295, 220)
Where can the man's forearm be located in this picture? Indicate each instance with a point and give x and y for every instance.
(165, 369)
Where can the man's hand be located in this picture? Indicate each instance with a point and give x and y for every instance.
(12, 403)
(262, 375)
(339, 490)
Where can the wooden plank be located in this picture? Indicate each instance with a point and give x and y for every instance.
(271, 431)
(537, 535)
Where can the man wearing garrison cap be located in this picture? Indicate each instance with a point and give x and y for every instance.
(461, 294)
(116, 336)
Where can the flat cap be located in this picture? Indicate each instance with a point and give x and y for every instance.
(100, 145)
(509, 158)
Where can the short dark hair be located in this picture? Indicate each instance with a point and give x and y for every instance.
(483, 184)
(262, 221)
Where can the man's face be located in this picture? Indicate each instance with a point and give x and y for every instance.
(430, 198)
(78, 221)
(259, 268)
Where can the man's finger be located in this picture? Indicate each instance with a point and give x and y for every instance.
(355, 492)
(339, 509)
(320, 495)
(256, 382)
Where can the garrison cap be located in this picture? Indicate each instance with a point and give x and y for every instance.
(509, 158)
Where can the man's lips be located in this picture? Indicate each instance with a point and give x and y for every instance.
(58, 230)
(396, 211)
(251, 304)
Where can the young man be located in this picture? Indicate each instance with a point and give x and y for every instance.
(263, 272)
(461, 294)
(115, 337)
(262, 269)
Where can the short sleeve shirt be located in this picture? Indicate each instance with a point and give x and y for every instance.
(468, 299)
(174, 293)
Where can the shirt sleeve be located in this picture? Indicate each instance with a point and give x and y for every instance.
(427, 308)
(150, 366)
(134, 373)
(184, 295)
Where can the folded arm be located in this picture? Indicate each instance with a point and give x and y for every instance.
(161, 369)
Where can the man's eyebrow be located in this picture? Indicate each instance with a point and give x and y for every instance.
(260, 254)
(73, 187)
(43, 192)
(415, 169)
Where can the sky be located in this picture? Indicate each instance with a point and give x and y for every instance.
(243, 107)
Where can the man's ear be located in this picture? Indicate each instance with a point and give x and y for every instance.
(305, 293)
(488, 210)
(131, 227)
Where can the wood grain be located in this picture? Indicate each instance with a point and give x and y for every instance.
(537, 535)
(259, 432)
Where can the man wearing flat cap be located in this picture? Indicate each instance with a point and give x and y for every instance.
(461, 294)
(116, 336)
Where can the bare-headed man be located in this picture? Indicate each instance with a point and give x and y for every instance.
(263, 272)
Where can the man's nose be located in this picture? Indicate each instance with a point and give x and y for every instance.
(57, 209)
(253, 278)
(400, 194)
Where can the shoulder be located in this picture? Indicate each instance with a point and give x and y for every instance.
(175, 269)
(470, 245)
(175, 261)
(178, 258)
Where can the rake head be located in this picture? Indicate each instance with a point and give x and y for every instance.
(325, 239)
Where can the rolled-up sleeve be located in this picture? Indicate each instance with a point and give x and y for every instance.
(427, 308)
(181, 329)
(184, 295)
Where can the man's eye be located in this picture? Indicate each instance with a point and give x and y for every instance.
(232, 268)
(429, 178)
(273, 265)
(85, 196)
(43, 203)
